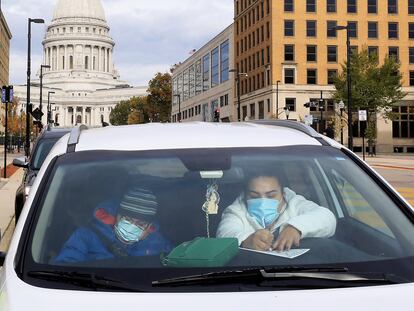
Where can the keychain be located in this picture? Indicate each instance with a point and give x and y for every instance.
(210, 206)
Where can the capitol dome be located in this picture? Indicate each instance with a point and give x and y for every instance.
(79, 9)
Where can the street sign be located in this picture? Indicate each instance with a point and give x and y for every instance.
(308, 119)
(362, 115)
(37, 114)
(3, 94)
(7, 94)
(341, 105)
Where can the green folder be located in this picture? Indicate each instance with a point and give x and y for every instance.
(203, 252)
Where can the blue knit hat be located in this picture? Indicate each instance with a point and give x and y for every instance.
(140, 204)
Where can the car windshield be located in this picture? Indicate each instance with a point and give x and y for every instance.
(42, 150)
(113, 211)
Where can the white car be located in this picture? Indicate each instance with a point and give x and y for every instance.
(179, 217)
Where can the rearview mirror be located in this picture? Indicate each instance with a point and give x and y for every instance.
(20, 162)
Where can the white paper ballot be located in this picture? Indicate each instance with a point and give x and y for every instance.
(290, 254)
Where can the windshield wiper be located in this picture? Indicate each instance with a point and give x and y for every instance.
(87, 280)
(273, 274)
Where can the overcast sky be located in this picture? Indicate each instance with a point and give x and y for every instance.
(150, 35)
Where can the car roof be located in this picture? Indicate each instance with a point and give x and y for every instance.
(191, 135)
(55, 132)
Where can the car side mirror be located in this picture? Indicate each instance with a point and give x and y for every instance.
(20, 162)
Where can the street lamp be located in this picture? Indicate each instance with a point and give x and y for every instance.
(341, 108)
(238, 75)
(179, 106)
(41, 85)
(29, 37)
(277, 98)
(348, 72)
(49, 107)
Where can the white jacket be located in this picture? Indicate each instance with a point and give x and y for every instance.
(309, 218)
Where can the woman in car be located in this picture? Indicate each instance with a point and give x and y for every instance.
(269, 216)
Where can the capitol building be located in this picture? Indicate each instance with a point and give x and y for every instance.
(79, 50)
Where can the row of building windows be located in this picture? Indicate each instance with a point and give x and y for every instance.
(63, 30)
(331, 32)
(332, 53)
(251, 18)
(196, 110)
(255, 60)
(352, 6)
(253, 39)
(242, 5)
(208, 72)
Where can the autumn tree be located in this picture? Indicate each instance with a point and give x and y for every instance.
(139, 111)
(160, 97)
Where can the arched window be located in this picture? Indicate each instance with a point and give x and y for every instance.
(79, 119)
(57, 119)
(63, 63)
(86, 62)
(102, 118)
(71, 62)
(94, 63)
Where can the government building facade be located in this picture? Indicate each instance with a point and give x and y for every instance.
(82, 83)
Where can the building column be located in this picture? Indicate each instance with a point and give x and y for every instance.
(57, 57)
(110, 61)
(64, 123)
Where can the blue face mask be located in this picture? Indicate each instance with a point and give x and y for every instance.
(128, 232)
(265, 211)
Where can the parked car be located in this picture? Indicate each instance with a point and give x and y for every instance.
(74, 249)
(44, 143)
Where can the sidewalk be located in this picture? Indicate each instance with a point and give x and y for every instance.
(405, 162)
(8, 189)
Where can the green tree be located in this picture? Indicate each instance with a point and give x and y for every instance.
(160, 97)
(375, 87)
(119, 115)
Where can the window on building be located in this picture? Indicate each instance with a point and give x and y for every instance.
(289, 76)
(192, 81)
(261, 110)
(393, 52)
(392, 6)
(253, 111)
(186, 84)
(70, 62)
(354, 49)
(311, 76)
(352, 6)
(332, 73)
(289, 6)
(206, 72)
(215, 79)
(411, 30)
(290, 103)
(372, 6)
(289, 28)
(311, 28)
(411, 55)
(289, 52)
(392, 30)
(410, 6)
(224, 61)
(311, 53)
(373, 51)
(353, 29)
(331, 6)
(330, 30)
(310, 6)
(267, 30)
(403, 124)
(198, 78)
(411, 78)
(372, 30)
(332, 54)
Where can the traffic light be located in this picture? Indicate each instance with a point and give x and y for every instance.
(7, 94)
(217, 115)
(38, 124)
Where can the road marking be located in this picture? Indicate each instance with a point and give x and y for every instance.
(390, 167)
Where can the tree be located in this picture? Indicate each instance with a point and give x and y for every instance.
(139, 111)
(375, 88)
(119, 115)
(160, 97)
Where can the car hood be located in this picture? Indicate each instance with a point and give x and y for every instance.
(17, 295)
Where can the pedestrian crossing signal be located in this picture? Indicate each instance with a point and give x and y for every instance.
(7, 94)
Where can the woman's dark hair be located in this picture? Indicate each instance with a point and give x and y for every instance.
(249, 176)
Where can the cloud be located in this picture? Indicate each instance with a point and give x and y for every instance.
(150, 35)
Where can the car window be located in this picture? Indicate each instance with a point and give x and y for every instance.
(42, 150)
(357, 206)
(182, 196)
